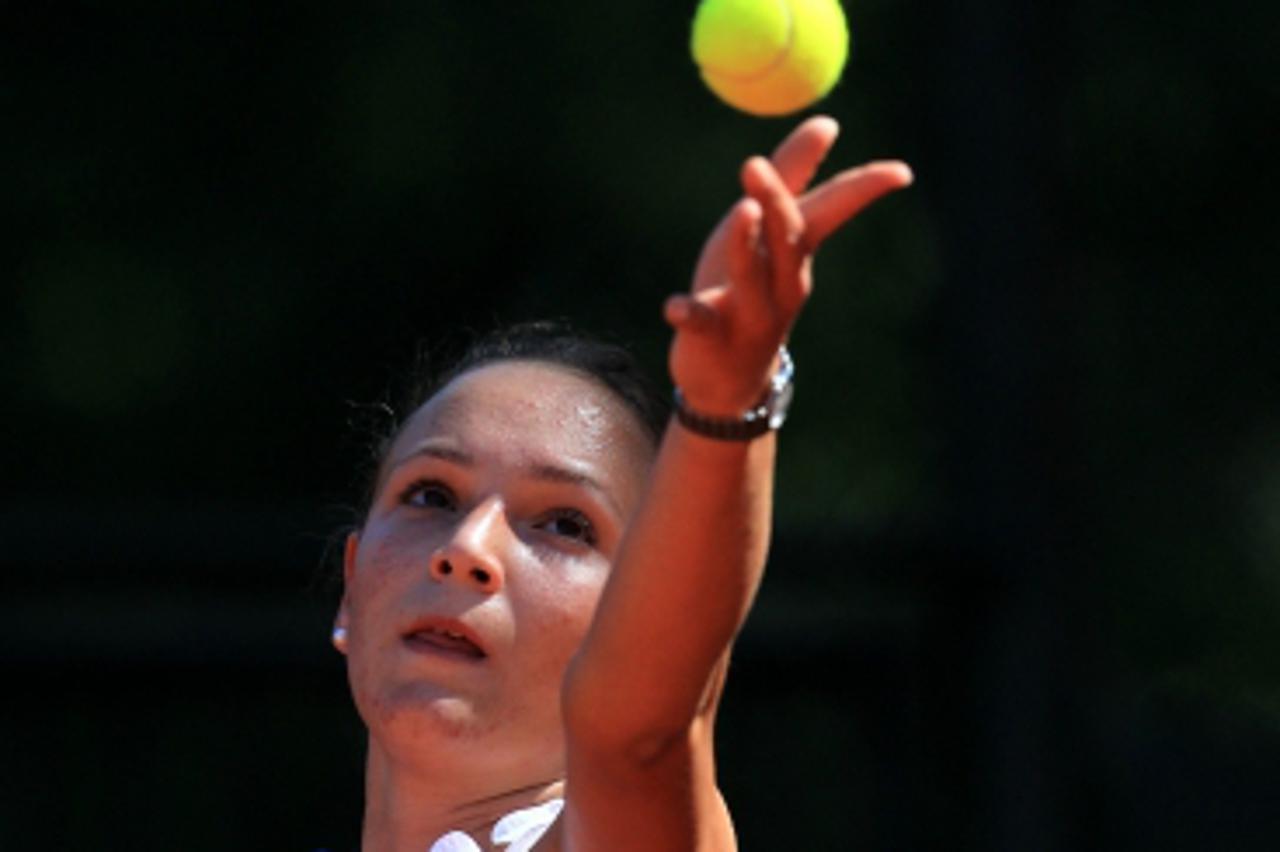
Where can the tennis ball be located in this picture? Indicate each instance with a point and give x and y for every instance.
(770, 57)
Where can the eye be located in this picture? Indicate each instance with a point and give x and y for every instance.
(428, 494)
(569, 523)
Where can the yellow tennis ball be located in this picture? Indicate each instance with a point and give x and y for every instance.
(770, 57)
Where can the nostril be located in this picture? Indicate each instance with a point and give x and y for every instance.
(445, 568)
(481, 576)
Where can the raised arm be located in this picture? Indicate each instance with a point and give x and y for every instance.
(639, 699)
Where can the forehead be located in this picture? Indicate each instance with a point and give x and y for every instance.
(518, 411)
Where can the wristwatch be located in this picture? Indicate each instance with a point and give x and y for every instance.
(765, 416)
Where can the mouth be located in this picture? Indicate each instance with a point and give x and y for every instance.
(444, 639)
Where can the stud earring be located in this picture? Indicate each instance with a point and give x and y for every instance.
(340, 639)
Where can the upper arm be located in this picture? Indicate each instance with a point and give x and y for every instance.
(648, 796)
(668, 802)
(639, 698)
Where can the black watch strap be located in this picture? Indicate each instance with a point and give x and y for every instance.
(765, 416)
(751, 425)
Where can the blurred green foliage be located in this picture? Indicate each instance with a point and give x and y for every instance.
(1033, 462)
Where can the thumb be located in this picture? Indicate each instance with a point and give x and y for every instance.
(686, 313)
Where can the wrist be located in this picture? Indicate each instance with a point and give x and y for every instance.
(732, 396)
(729, 419)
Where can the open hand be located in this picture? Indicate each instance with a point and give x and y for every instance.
(755, 271)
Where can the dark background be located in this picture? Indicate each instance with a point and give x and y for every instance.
(1026, 587)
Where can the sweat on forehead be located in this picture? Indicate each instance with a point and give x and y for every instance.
(524, 407)
(518, 394)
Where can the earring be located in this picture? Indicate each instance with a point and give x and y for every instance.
(340, 639)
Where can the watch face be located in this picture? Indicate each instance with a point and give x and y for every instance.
(779, 405)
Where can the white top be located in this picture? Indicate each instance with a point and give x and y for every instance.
(518, 830)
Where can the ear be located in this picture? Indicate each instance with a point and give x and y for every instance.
(342, 619)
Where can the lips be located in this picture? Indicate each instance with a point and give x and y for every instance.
(446, 637)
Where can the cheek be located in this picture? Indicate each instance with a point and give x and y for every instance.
(552, 614)
(388, 558)
(387, 567)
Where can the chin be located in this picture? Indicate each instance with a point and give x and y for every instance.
(422, 716)
(422, 725)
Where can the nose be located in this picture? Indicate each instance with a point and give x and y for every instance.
(470, 556)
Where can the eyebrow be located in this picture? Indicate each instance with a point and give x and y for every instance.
(540, 471)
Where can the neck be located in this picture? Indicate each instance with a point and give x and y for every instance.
(407, 808)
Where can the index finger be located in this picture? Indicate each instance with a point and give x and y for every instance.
(798, 156)
(839, 199)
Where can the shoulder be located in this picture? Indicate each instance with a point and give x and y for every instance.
(668, 801)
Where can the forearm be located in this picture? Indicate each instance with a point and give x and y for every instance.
(691, 561)
(683, 580)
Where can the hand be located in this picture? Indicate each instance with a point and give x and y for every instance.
(756, 269)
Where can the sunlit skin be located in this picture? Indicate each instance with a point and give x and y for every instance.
(604, 654)
(534, 490)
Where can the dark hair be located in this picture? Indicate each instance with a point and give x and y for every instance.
(552, 342)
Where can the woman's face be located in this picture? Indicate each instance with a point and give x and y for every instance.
(497, 514)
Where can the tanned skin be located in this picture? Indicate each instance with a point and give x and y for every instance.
(640, 698)
(605, 654)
